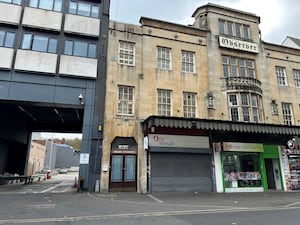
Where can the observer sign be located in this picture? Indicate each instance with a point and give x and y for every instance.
(237, 44)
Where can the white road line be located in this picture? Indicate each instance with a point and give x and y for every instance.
(155, 198)
(53, 187)
(292, 204)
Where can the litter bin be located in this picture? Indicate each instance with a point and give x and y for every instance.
(48, 174)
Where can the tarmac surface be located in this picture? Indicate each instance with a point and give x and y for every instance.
(56, 202)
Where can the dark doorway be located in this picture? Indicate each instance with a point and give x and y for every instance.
(270, 174)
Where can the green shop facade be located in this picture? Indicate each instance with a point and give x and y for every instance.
(238, 157)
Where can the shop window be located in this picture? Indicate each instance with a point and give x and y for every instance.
(241, 170)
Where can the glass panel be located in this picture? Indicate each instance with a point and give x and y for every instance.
(33, 3)
(46, 4)
(26, 41)
(8, 1)
(73, 7)
(52, 45)
(40, 43)
(95, 11)
(57, 5)
(130, 168)
(1, 38)
(68, 48)
(9, 41)
(80, 48)
(84, 9)
(230, 28)
(92, 51)
(222, 26)
(246, 32)
(238, 29)
(18, 2)
(116, 168)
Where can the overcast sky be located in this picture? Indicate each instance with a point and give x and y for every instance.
(279, 18)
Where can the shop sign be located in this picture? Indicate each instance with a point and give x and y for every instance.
(237, 44)
(238, 147)
(163, 140)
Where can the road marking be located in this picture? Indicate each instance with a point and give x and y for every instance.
(155, 198)
(53, 187)
(292, 204)
(145, 214)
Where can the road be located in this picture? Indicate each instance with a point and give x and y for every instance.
(56, 202)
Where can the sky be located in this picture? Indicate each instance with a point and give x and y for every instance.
(279, 18)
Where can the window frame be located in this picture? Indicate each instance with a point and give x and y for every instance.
(54, 4)
(90, 11)
(189, 104)
(296, 74)
(164, 102)
(234, 29)
(163, 58)
(125, 106)
(281, 77)
(5, 43)
(235, 69)
(287, 113)
(245, 107)
(33, 39)
(188, 61)
(127, 50)
(14, 2)
(73, 50)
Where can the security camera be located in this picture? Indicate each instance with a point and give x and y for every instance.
(80, 97)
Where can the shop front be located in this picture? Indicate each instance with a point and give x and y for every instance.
(238, 167)
(179, 163)
(291, 168)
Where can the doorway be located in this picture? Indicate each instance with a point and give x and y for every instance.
(123, 172)
(273, 174)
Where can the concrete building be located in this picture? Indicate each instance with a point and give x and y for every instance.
(52, 77)
(36, 157)
(203, 107)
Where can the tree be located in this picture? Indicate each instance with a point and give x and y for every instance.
(75, 143)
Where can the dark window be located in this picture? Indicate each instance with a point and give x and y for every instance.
(54, 5)
(39, 43)
(7, 39)
(16, 2)
(84, 9)
(80, 48)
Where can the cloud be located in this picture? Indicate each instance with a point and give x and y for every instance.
(279, 18)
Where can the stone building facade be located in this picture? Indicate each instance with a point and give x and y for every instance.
(203, 107)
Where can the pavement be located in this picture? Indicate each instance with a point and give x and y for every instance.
(207, 200)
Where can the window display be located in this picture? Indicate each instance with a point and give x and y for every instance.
(241, 170)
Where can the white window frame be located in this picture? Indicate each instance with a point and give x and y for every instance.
(164, 58)
(281, 76)
(188, 61)
(189, 105)
(296, 78)
(232, 67)
(246, 107)
(164, 102)
(126, 53)
(287, 113)
(125, 100)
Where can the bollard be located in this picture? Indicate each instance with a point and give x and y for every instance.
(75, 183)
(81, 181)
